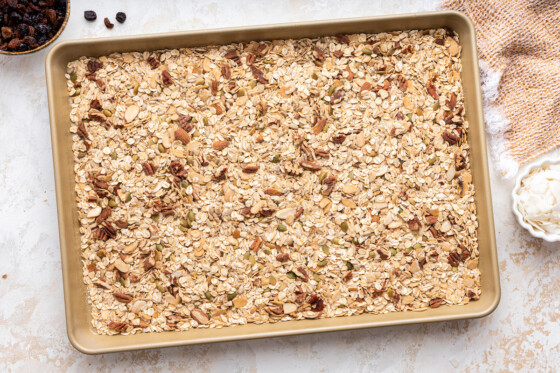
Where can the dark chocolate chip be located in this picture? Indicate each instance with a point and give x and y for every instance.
(90, 15)
(121, 17)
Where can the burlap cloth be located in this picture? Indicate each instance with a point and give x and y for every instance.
(519, 40)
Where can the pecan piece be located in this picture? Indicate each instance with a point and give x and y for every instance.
(200, 316)
(177, 169)
(454, 259)
(434, 232)
(316, 302)
(436, 302)
(256, 244)
(182, 135)
(220, 145)
(273, 192)
(109, 229)
(250, 59)
(226, 71)
(250, 169)
(365, 87)
(432, 90)
(265, 211)
(232, 55)
(342, 38)
(465, 253)
(322, 153)
(402, 83)
(329, 185)
(166, 78)
(149, 263)
(311, 166)
(319, 126)
(382, 254)
(318, 53)
(275, 311)
(95, 104)
(338, 54)
(259, 75)
(414, 224)
(431, 219)
(220, 175)
(338, 139)
(298, 213)
(105, 213)
(121, 297)
(121, 223)
(82, 132)
(451, 138)
(149, 168)
(102, 284)
(117, 326)
(348, 276)
(452, 101)
(283, 257)
(153, 62)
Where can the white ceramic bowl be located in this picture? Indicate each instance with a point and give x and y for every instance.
(550, 237)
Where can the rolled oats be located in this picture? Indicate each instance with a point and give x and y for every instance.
(272, 181)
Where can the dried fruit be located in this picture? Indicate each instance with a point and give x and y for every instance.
(121, 17)
(108, 23)
(90, 15)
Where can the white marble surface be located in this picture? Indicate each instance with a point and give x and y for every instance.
(522, 334)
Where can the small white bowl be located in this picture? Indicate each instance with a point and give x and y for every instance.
(550, 237)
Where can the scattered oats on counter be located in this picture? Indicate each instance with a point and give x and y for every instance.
(272, 181)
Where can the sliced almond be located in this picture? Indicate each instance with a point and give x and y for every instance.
(200, 316)
(348, 203)
(239, 302)
(284, 213)
(273, 192)
(220, 145)
(349, 189)
(122, 266)
(257, 207)
(94, 212)
(289, 307)
(131, 113)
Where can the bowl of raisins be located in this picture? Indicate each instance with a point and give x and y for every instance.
(27, 26)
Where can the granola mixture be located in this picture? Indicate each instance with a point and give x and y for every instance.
(273, 181)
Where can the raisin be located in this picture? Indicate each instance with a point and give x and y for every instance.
(108, 23)
(121, 17)
(90, 15)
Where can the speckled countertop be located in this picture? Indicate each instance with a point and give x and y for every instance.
(522, 334)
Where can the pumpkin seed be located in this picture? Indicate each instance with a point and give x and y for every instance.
(191, 216)
(349, 266)
(326, 249)
(208, 295)
(321, 263)
(112, 203)
(344, 226)
(231, 296)
(135, 89)
(281, 228)
(367, 51)
(291, 275)
(159, 247)
(73, 77)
